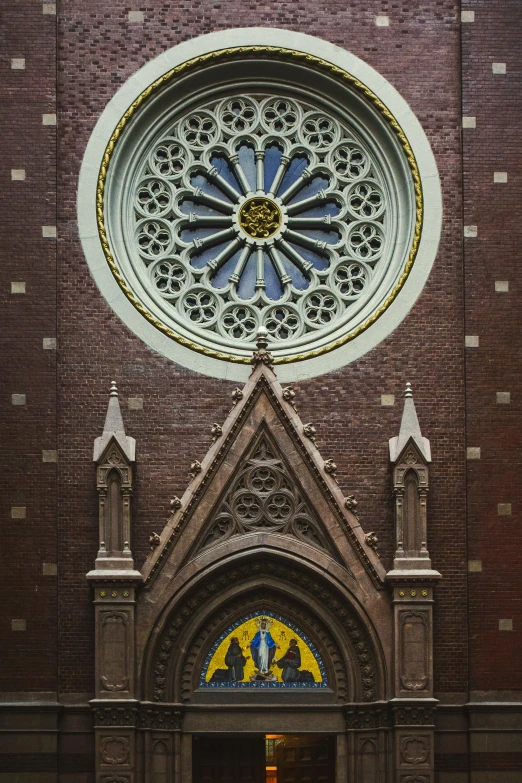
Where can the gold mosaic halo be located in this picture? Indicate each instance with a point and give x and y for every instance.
(236, 53)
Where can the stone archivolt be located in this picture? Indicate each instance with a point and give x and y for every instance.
(359, 650)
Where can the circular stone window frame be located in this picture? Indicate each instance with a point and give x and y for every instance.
(341, 64)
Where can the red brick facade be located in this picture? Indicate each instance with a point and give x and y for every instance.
(74, 63)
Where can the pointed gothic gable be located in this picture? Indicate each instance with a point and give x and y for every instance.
(228, 497)
(265, 496)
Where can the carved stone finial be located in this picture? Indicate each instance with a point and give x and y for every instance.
(175, 503)
(261, 338)
(309, 431)
(372, 540)
(154, 540)
(330, 467)
(114, 429)
(409, 431)
(216, 432)
(195, 468)
(262, 356)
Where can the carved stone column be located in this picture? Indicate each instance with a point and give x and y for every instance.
(114, 582)
(413, 581)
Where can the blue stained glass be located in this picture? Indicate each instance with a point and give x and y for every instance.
(328, 208)
(199, 181)
(225, 170)
(201, 259)
(220, 279)
(274, 289)
(197, 209)
(298, 278)
(330, 237)
(247, 162)
(293, 172)
(319, 261)
(272, 161)
(247, 283)
(190, 233)
(310, 189)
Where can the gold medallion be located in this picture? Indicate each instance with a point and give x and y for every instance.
(260, 217)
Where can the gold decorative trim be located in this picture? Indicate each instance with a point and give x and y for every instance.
(239, 52)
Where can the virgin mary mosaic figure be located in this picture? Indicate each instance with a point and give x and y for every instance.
(263, 646)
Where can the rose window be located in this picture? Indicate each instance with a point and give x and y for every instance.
(256, 187)
(257, 210)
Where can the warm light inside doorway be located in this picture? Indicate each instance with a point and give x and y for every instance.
(270, 756)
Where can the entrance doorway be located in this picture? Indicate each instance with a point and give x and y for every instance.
(270, 758)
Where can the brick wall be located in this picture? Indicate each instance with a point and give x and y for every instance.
(492, 65)
(419, 53)
(99, 49)
(28, 295)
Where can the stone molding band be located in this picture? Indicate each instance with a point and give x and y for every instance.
(381, 715)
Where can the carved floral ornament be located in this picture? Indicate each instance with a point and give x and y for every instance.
(260, 206)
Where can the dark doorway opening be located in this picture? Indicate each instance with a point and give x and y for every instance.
(270, 758)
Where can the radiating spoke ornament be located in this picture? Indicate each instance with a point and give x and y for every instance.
(259, 210)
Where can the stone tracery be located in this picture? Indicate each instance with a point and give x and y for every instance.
(257, 210)
(264, 497)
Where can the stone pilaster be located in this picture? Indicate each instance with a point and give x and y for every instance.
(412, 580)
(114, 583)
